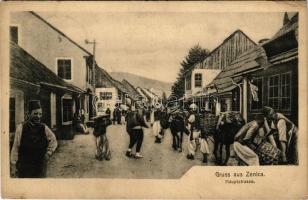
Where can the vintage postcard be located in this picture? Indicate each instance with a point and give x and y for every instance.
(154, 100)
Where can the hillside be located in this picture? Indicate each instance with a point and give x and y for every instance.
(143, 82)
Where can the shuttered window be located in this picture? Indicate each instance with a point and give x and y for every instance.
(198, 80)
(65, 68)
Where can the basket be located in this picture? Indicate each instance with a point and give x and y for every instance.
(268, 154)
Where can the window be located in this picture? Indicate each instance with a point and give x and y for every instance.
(119, 96)
(285, 95)
(273, 89)
(188, 82)
(14, 34)
(255, 105)
(67, 110)
(280, 91)
(105, 95)
(100, 107)
(65, 68)
(236, 100)
(12, 114)
(223, 105)
(198, 80)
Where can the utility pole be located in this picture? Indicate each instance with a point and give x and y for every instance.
(92, 97)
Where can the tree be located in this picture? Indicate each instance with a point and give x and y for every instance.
(195, 55)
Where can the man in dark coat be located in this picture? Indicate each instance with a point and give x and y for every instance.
(118, 115)
(177, 128)
(134, 126)
(33, 145)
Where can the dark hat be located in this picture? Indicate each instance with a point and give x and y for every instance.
(268, 111)
(34, 104)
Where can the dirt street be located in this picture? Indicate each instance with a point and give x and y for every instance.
(75, 158)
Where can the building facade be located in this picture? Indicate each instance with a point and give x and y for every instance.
(202, 74)
(266, 75)
(58, 52)
(30, 79)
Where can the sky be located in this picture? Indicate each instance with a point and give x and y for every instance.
(153, 44)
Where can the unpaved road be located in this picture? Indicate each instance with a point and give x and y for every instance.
(75, 158)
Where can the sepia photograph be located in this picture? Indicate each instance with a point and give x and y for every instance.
(139, 95)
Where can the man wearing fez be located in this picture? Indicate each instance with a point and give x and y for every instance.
(33, 145)
(287, 134)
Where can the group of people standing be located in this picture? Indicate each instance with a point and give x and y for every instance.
(160, 119)
(270, 138)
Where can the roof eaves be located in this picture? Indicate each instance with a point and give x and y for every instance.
(224, 41)
(282, 31)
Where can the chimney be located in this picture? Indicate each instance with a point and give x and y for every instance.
(286, 18)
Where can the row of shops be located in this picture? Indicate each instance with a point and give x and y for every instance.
(264, 74)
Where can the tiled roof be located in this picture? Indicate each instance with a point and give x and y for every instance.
(103, 73)
(150, 91)
(123, 87)
(248, 61)
(141, 92)
(25, 67)
(112, 81)
(134, 93)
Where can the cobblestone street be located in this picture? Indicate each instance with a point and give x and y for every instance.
(75, 158)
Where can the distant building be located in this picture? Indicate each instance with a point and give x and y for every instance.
(200, 75)
(142, 95)
(148, 96)
(111, 93)
(130, 89)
